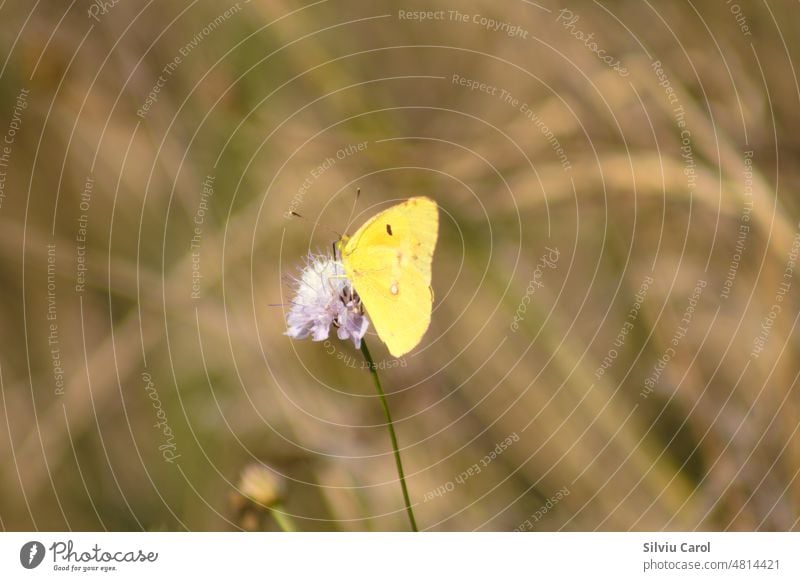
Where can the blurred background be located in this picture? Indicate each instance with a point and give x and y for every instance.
(614, 342)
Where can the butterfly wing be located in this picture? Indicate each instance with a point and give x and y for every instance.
(388, 260)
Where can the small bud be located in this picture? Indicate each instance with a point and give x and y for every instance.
(261, 485)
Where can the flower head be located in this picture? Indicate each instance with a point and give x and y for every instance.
(325, 296)
(261, 485)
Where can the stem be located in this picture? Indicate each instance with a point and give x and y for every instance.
(283, 521)
(374, 371)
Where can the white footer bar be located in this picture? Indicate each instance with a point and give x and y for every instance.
(388, 556)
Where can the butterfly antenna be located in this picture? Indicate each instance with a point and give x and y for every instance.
(353, 209)
(321, 225)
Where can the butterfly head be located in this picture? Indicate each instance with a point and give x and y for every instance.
(339, 246)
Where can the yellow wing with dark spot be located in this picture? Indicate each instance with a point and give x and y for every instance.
(388, 260)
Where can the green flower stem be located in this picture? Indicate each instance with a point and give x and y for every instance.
(283, 520)
(374, 371)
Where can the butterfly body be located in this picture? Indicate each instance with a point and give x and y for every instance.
(388, 261)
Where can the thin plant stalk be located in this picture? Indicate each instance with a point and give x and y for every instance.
(283, 520)
(374, 371)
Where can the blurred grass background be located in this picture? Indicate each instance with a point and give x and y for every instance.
(269, 94)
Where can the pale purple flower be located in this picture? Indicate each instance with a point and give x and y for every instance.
(324, 296)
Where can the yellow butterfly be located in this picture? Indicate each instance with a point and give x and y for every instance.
(388, 261)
